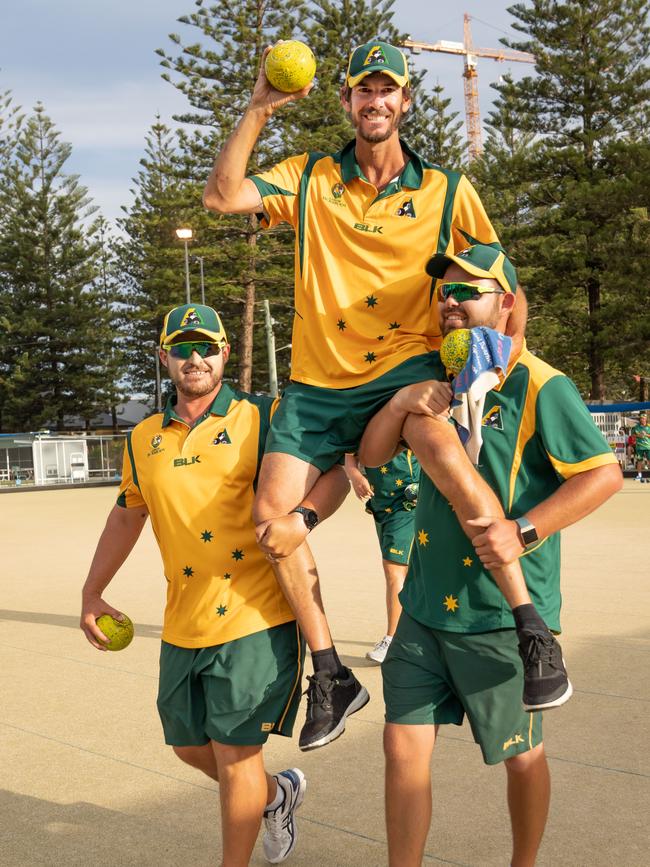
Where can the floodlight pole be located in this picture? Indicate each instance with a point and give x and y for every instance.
(158, 388)
(185, 235)
(270, 346)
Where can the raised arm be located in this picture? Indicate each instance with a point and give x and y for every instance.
(120, 534)
(228, 190)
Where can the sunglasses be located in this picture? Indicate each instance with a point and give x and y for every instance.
(465, 291)
(185, 350)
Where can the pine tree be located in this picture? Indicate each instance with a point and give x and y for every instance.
(588, 108)
(56, 322)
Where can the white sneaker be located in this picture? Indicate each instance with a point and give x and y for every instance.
(280, 833)
(379, 651)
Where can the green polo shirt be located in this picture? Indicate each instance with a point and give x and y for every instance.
(389, 481)
(537, 433)
(198, 486)
(642, 434)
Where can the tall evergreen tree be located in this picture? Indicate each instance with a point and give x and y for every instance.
(56, 322)
(588, 108)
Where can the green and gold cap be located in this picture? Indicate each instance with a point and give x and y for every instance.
(377, 56)
(480, 260)
(192, 321)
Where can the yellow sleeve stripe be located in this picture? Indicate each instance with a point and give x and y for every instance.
(567, 471)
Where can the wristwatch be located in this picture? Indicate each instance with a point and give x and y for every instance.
(309, 516)
(527, 532)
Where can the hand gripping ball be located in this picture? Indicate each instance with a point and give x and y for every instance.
(289, 66)
(118, 632)
(455, 348)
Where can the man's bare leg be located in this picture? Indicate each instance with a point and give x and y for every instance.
(408, 750)
(203, 759)
(243, 792)
(443, 458)
(395, 574)
(529, 795)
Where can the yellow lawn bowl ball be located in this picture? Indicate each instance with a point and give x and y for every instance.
(289, 66)
(454, 351)
(118, 632)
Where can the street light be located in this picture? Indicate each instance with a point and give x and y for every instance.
(200, 259)
(186, 235)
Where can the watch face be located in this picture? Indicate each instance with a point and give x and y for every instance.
(311, 518)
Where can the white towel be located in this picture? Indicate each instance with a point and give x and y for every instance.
(486, 366)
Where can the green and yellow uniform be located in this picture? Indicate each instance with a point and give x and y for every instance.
(363, 305)
(362, 297)
(537, 433)
(197, 484)
(389, 506)
(641, 433)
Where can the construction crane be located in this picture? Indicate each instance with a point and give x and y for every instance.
(470, 75)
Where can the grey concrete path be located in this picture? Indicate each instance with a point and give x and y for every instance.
(85, 777)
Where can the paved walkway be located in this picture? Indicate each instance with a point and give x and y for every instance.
(85, 777)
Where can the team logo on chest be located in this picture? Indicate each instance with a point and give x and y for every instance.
(406, 209)
(493, 419)
(155, 445)
(336, 198)
(222, 439)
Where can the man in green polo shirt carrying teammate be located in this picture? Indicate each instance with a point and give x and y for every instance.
(231, 656)
(455, 651)
(366, 220)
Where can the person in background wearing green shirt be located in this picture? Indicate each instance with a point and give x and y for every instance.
(455, 650)
(390, 494)
(641, 433)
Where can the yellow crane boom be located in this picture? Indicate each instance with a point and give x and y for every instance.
(467, 49)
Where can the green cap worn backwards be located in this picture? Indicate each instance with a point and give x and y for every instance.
(377, 56)
(192, 321)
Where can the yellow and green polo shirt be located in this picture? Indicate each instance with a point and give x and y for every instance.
(362, 298)
(537, 433)
(198, 486)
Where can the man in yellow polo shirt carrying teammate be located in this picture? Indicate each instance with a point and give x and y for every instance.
(231, 656)
(366, 221)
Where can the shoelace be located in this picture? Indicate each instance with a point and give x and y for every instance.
(382, 645)
(318, 692)
(540, 649)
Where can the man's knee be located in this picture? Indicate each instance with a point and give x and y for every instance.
(407, 743)
(525, 762)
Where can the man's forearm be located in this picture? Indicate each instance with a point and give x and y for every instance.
(575, 499)
(115, 544)
(229, 170)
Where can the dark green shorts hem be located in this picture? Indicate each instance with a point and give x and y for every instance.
(433, 677)
(239, 692)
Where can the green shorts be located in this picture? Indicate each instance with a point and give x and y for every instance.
(320, 425)
(395, 533)
(239, 692)
(435, 677)
(642, 455)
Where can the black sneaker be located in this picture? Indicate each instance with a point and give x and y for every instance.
(329, 702)
(546, 683)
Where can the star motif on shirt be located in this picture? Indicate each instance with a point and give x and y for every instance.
(370, 357)
(188, 571)
(399, 482)
(467, 561)
(206, 535)
(221, 610)
(227, 576)
(371, 301)
(451, 603)
(388, 509)
(423, 537)
(381, 337)
(237, 554)
(341, 325)
(394, 325)
(383, 470)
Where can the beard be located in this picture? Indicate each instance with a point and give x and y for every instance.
(192, 388)
(377, 137)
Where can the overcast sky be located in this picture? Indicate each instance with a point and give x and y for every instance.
(93, 66)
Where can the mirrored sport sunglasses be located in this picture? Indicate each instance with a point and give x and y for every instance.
(465, 291)
(185, 350)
